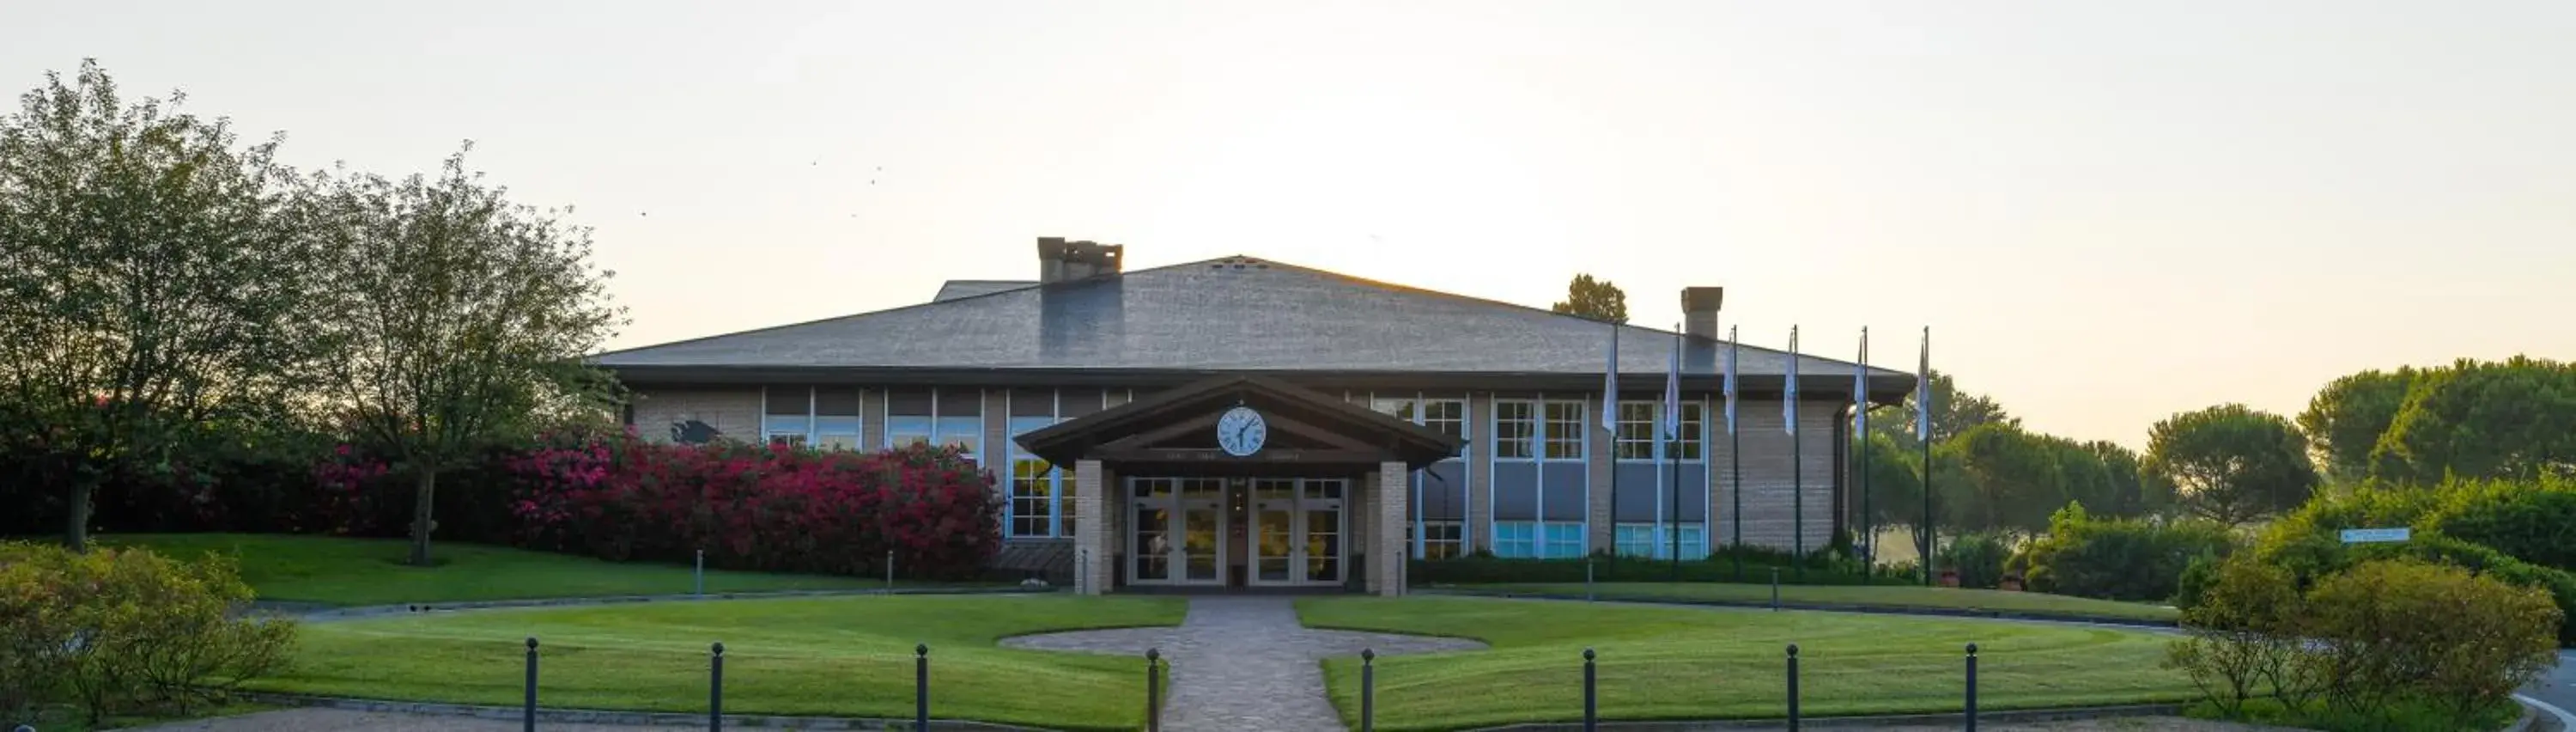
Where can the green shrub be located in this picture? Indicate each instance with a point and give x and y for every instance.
(2244, 636)
(2388, 630)
(2313, 557)
(2534, 521)
(2118, 559)
(1978, 557)
(126, 630)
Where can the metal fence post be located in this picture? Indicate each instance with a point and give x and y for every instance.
(700, 588)
(1591, 700)
(921, 686)
(1775, 588)
(1153, 690)
(1587, 579)
(1972, 687)
(715, 688)
(1368, 690)
(1793, 686)
(889, 588)
(529, 716)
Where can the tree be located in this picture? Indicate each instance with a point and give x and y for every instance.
(462, 319)
(152, 276)
(2232, 464)
(2133, 494)
(2011, 481)
(2344, 420)
(1586, 297)
(1954, 412)
(2482, 419)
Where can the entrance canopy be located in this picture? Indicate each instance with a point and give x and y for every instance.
(1177, 431)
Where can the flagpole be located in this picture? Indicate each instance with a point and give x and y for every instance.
(1610, 421)
(1923, 431)
(1797, 468)
(1735, 455)
(1860, 419)
(1672, 461)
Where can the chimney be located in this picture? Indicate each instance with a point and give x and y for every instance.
(1066, 261)
(1699, 311)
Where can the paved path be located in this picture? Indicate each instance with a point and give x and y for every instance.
(341, 720)
(2555, 692)
(1243, 663)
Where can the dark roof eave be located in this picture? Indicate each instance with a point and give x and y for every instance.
(1882, 384)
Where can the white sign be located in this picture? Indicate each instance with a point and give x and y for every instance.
(2360, 536)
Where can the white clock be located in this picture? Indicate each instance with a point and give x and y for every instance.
(1240, 431)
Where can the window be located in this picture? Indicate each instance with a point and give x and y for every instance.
(1515, 430)
(1562, 539)
(1032, 496)
(1440, 539)
(964, 433)
(1564, 433)
(1515, 539)
(1636, 438)
(825, 417)
(1398, 408)
(1448, 416)
(1639, 539)
(907, 431)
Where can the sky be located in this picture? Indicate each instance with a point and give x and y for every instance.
(2106, 212)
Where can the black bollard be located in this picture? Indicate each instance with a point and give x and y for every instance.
(1153, 690)
(715, 688)
(529, 718)
(1972, 687)
(1793, 687)
(921, 686)
(1368, 690)
(1591, 701)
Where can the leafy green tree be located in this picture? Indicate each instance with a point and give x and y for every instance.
(1954, 412)
(463, 319)
(2344, 420)
(152, 276)
(2482, 419)
(2132, 492)
(1586, 297)
(2012, 480)
(1895, 481)
(2231, 463)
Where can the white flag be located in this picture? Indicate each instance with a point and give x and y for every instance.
(1789, 393)
(1860, 388)
(1730, 379)
(1923, 391)
(1610, 386)
(1673, 390)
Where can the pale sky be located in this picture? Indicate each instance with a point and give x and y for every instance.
(2107, 212)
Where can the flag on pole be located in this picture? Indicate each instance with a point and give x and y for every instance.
(1730, 379)
(1923, 391)
(1610, 385)
(1789, 394)
(1860, 388)
(1672, 427)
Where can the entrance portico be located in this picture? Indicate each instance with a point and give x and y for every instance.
(1240, 482)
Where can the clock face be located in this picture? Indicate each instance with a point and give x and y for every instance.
(1240, 431)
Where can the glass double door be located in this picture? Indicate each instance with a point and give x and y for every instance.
(1297, 531)
(1177, 531)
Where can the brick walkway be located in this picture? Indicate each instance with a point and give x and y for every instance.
(1243, 663)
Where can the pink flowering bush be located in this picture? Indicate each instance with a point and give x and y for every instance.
(757, 507)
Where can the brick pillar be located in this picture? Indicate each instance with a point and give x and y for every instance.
(1386, 546)
(1092, 531)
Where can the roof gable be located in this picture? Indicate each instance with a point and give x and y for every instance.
(1234, 314)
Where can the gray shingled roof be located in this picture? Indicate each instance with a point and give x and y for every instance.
(954, 289)
(1235, 314)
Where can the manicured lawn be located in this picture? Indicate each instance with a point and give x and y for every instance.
(840, 656)
(1882, 596)
(1704, 663)
(338, 571)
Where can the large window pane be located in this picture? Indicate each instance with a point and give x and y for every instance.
(1564, 430)
(1515, 430)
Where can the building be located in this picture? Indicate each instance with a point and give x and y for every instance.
(1258, 424)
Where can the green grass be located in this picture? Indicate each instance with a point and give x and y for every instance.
(1663, 663)
(341, 571)
(1876, 596)
(65, 718)
(841, 656)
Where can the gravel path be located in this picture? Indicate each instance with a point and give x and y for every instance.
(1243, 663)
